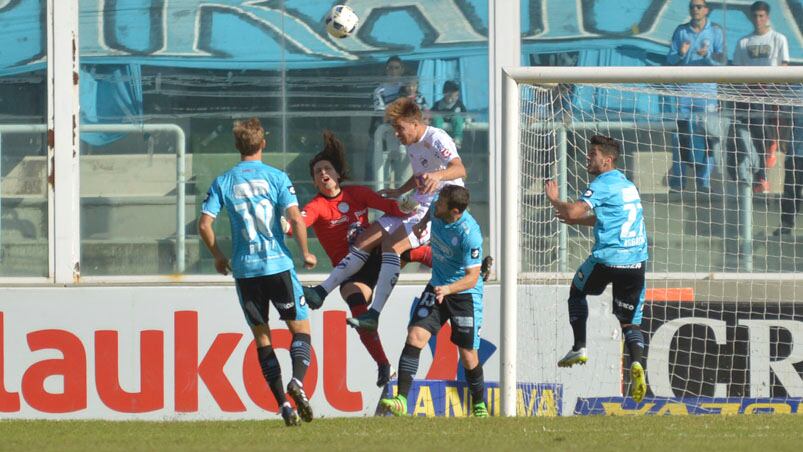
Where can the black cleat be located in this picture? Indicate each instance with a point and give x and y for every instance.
(485, 268)
(368, 321)
(314, 296)
(384, 374)
(297, 393)
(290, 416)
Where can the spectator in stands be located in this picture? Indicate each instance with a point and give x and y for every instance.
(698, 42)
(763, 47)
(793, 176)
(394, 162)
(388, 91)
(450, 109)
(410, 89)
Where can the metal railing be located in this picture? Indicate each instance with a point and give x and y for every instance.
(181, 177)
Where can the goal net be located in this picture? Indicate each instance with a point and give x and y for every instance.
(720, 180)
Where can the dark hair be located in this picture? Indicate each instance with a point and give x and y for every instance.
(404, 108)
(394, 58)
(456, 197)
(450, 86)
(760, 6)
(608, 145)
(248, 136)
(705, 3)
(333, 152)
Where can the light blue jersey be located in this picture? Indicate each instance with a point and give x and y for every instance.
(255, 196)
(620, 233)
(455, 247)
(711, 43)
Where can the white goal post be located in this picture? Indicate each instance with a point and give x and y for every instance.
(512, 244)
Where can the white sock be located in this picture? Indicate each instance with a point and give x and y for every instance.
(345, 269)
(388, 276)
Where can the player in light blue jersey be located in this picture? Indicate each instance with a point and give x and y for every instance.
(454, 293)
(612, 205)
(255, 196)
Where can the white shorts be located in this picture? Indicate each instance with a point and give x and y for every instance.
(390, 224)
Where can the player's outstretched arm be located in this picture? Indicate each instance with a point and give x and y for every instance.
(567, 212)
(466, 282)
(299, 228)
(207, 234)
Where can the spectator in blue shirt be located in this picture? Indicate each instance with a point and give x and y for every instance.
(697, 43)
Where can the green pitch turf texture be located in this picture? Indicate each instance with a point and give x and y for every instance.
(763, 433)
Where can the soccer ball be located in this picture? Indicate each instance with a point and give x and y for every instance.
(341, 21)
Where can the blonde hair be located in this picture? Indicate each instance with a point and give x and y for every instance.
(404, 108)
(248, 136)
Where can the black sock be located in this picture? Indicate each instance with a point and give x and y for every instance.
(355, 299)
(272, 372)
(635, 342)
(300, 354)
(408, 366)
(476, 384)
(578, 314)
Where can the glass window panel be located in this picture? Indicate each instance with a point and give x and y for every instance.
(23, 140)
(208, 66)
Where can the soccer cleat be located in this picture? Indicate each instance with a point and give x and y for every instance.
(396, 406)
(290, 416)
(314, 296)
(479, 410)
(574, 357)
(638, 384)
(297, 393)
(485, 268)
(384, 374)
(368, 321)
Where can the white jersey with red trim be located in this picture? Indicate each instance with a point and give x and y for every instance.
(432, 152)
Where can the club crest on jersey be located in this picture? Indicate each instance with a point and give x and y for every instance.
(455, 241)
(588, 193)
(343, 207)
(580, 275)
(475, 253)
(424, 162)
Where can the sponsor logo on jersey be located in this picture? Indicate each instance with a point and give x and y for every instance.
(455, 241)
(340, 220)
(292, 190)
(343, 207)
(424, 162)
(445, 152)
(422, 312)
(302, 301)
(475, 253)
(588, 193)
(580, 275)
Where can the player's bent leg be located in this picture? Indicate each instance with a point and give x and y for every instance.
(300, 356)
(358, 255)
(392, 247)
(578, 315)
(475, 381)
(272, 372)
(356, 295)
(417, 338)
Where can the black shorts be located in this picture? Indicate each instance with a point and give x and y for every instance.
(282, 289)
(369, 273)
(628, 287)
(463, 310)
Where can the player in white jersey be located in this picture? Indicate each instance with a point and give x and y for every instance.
(433, 156)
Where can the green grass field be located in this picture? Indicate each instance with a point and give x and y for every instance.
(597, 433)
